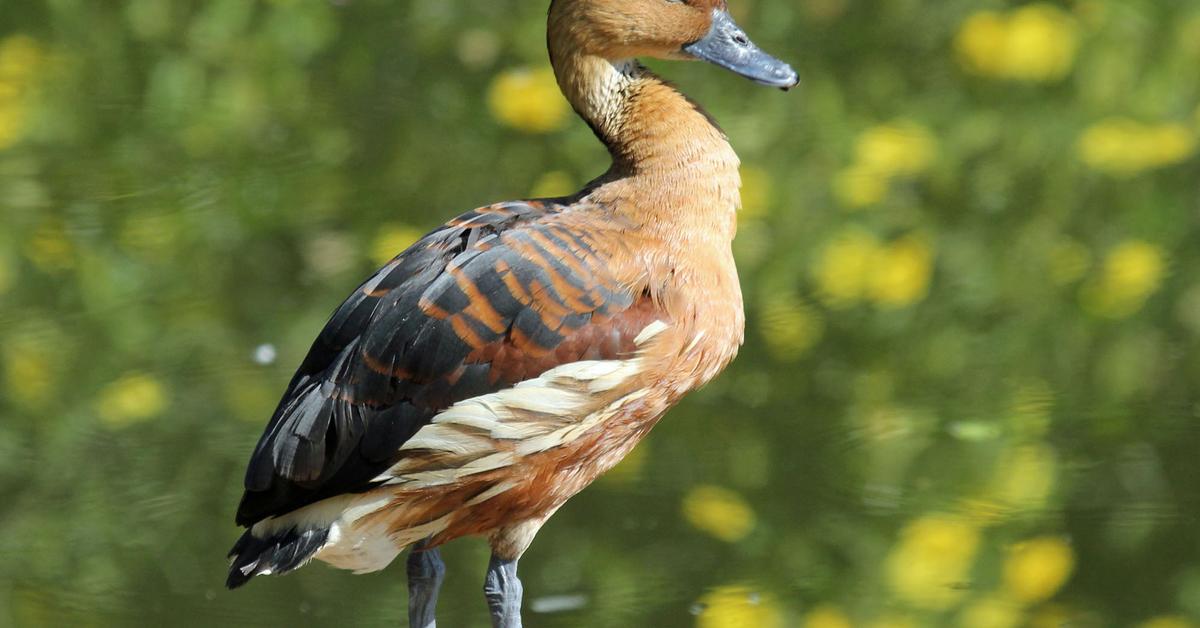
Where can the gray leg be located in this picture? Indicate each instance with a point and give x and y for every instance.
(503, 592)
(425, 573)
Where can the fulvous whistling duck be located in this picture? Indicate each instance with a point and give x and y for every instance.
(496, 367)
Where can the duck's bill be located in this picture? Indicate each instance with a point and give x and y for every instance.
(727, 45)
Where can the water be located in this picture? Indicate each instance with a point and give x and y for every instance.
(968, 392)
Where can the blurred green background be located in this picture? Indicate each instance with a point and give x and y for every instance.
(969, 249)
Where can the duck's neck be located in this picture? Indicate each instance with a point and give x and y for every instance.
(672, 166)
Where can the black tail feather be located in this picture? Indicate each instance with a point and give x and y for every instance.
(279, 553)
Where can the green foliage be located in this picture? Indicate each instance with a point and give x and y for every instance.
(968, 393)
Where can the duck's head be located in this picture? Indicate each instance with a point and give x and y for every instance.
(665, 29)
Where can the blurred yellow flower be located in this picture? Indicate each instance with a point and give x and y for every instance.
(756, 192)
(900, 273)
(902, 148)
(1036, 42)
(734, 606)
(859, 186)
(1167, 621)
(1036, 569)
(827, 616)
(1025, 476)
(881, 153)
(528, 100)
(553, 184)
(391, 240)
(790, 326)
(1131, 273)
(933, 557)
(133, 398)
(855, 266)
(991, 611)
(1124, 147)
(841, 270)
(718, 511)
(20, 59)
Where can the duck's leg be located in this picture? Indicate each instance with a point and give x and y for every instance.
(502, 588)
(425, 573)
(503, 591)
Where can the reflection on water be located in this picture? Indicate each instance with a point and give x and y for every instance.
(968, 393)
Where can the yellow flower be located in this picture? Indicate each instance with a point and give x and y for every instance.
(855, 266)
(932, 559)
(841, 270)
(1132, 272)
(1123, 147)
(1025, 476)
(756, 192)
(719, 512)
(859, 186)
(552, 185)
(881, 153)
(133, 398)
(826, 616)
(734, 606)
(1037, 42)
(981, 43)
(902, 148)
(528, 100)
(1036, 569)
(790, 326)
(391, 241)
(1042, 40)
(900, 273)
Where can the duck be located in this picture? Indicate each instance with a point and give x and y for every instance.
(501, 363)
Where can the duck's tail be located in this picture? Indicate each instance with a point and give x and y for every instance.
(278, 553)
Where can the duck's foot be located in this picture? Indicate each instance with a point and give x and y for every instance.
(425, 573)
(502, 589)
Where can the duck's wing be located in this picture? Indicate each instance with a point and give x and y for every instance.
(494, 297)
